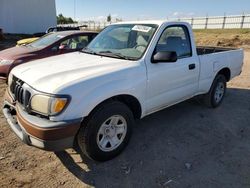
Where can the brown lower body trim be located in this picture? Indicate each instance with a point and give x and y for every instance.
(48, 133)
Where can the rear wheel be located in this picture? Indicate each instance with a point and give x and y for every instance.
(106, 132)
(217, 92)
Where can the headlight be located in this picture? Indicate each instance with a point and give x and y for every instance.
(6, 62)
(48, 105)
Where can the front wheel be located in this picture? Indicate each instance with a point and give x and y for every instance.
(217, 92)
(106, 132)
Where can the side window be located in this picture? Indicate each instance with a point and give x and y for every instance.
(175, 38)
(75, 43)
(64, 45)
(82, 42)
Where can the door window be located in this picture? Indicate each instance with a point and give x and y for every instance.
(175, 38)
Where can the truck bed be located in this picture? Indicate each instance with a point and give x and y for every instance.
(203, 50)
(213, 59)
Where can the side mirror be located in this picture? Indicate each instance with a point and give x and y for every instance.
(164, 57)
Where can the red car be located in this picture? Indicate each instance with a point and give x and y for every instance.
(48, 45)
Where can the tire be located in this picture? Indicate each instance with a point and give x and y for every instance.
(106, 131)
(216, 94)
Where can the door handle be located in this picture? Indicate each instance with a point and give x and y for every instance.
(191, 66)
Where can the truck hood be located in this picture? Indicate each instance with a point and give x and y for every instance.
(50, 74)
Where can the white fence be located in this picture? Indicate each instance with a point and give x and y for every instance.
(220, 22)
(216, 22)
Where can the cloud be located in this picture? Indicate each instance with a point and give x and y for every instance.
(181, 14)
(176, 13)
(145, 17)
(101, 18)
(95, 18)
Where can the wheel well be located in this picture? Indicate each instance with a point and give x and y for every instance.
(132, 102)
(226, 72)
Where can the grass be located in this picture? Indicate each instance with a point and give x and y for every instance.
(223, 37)
(223, 31)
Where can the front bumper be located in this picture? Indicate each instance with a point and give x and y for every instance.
(37, 131)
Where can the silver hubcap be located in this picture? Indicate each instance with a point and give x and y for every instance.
(219, 92)
(111, 133)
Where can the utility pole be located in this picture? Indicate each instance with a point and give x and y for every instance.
(206, 24)
(224, 21)
(242, 20)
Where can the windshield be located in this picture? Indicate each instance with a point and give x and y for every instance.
(46, 40)
(128, 41)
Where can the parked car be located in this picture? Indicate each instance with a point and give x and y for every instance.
(26, 41)
(64, 28)
(48, 45)
(130, 70)
(30, 39)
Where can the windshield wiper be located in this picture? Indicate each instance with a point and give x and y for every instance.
(119, 55)
(88, 51)
(106, 53)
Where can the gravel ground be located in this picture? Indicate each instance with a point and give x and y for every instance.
(186, 146)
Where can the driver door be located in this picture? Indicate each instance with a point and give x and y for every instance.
(169, 83)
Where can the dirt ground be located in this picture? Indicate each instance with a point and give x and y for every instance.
(223, 37)
(185, 146)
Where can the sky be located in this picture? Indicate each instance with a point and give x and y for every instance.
(98, 10)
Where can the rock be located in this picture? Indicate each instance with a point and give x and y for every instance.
(126, 168)
(167, 182)
(188, 166)
(62, 183)
(1, 158)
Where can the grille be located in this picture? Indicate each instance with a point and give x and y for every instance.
(19, 93)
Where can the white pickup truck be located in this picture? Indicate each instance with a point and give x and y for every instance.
(130, 70)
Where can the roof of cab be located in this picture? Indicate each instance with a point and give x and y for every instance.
(156, 22)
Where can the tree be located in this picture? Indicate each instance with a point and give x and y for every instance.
(64, 20)
(109, 18)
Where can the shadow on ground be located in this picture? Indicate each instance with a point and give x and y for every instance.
(187, 145)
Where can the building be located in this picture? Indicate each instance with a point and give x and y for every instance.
(27, 16)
